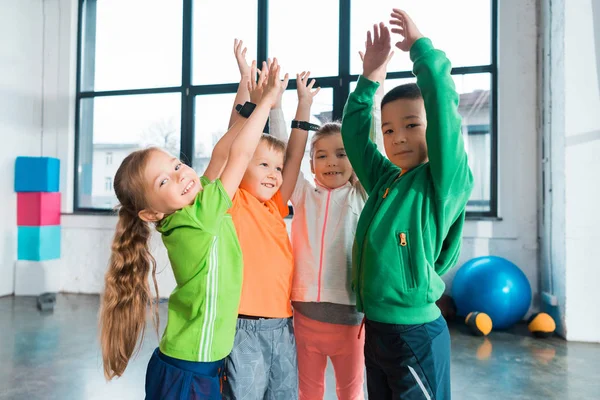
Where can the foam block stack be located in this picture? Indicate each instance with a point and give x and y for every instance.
(38, 221)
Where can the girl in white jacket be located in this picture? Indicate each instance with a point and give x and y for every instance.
(326, 212)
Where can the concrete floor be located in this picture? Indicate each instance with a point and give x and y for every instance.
(57, 356)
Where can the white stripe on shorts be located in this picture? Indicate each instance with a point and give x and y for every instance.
(419, 381)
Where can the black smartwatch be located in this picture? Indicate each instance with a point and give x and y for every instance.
(246, 109)
(305, 126)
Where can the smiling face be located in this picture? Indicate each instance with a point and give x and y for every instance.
(403, 124)
(263, 178)
(329, 162)
(170, 185)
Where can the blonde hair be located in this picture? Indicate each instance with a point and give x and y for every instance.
(126, 289)
(274, 143)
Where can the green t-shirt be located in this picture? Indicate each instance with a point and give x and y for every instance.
(207, 263)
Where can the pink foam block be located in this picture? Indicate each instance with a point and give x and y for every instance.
(38, 208)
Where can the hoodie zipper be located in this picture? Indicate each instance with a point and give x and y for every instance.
(323, 243)
(387, 190)
(362, 255)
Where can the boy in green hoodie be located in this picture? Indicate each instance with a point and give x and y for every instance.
(409, 232)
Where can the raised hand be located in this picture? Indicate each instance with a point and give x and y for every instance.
(304, 89)
(377, 53)
(274, 85)
(240, 56)
(256, 88)
(283, 87)
(405, 28)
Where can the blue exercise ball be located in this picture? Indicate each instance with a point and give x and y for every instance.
(492, 285)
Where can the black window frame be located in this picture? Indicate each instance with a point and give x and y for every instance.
(340, 85)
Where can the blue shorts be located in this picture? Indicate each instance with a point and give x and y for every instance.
(169, 378)
(408, 361)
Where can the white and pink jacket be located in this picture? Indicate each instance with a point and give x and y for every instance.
(323, 229)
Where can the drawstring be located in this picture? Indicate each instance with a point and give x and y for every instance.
(222, 376)
(221, 379)
(362, 324)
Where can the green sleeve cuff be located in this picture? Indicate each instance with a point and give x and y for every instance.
(420, 47)
(366, 88)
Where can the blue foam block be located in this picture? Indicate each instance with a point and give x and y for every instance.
(39, 243)
(37, 174)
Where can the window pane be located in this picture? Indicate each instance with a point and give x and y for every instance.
(131, 44)
(474, 107)
(212, 118)
(460, 28)
(305, 37)
(320, 113)
(113, 127)
(212, 114)
(213, 45)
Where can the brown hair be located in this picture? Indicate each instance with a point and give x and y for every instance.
(274, 143)
(328, 129)
(126, 289)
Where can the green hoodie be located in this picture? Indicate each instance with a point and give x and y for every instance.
(406, 240)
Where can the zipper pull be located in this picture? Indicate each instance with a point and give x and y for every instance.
(403, 239)
(386, 192)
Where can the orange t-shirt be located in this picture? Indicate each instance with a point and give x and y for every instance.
(267, 253)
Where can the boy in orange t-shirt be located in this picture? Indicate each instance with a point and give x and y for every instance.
(263, 363)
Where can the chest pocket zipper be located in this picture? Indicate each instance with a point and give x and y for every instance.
(406, 264)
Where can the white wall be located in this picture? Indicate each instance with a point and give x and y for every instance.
(582, 163)
(86, 252)
(21, 114)
(552, 143)
(60, 75)
(570, 119)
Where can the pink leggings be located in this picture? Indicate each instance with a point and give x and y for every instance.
(315, 341)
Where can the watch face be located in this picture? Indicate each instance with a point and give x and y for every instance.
(246, 109)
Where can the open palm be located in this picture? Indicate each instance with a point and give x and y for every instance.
(406, 28)
(377, 53)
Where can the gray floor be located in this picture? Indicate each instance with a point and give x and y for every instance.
(56, 356)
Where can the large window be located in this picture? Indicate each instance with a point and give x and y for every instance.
(162, 73)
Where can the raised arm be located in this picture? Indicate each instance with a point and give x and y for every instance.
(247, 72)
(297, 143)
(277, 125)
(357, 123)
(221, 150)
(376, 135)
(447, 156)
(244, 144)
(220, 153)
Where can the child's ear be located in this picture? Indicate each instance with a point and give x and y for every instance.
(150, 216)
(312, 168)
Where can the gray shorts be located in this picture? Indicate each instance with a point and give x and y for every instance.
(262, 364)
